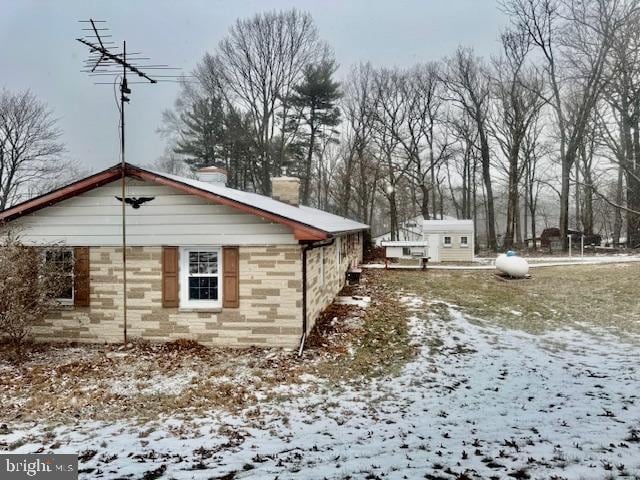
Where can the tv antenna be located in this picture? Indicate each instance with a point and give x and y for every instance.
(107, 60)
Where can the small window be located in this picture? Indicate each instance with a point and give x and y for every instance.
(464, 241)
(406, 251)
(447, 241)
(200, 284)
(63, 259)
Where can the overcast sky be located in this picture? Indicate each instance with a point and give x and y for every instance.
(39, 52)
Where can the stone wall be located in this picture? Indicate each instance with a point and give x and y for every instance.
(324, 283)
(270, 310)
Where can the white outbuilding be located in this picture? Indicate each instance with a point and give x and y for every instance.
(449, 240)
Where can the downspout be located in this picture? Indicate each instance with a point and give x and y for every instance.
(305, 248)
(304, 299)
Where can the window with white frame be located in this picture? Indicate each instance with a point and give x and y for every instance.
(464, 241)
(200, 277)
(446, 241)
(62, 259)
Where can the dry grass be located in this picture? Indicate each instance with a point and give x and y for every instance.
(379, 347)
(588, 296)
(145, 381)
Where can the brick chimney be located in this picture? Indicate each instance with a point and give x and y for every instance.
(213, 175)
(286, 189)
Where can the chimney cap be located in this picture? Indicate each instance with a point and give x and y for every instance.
(213, 175)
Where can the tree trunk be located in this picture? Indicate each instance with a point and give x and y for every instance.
(633, 190)
(393, 215)
(567, 163)
(424, 205)
(475, 213)
(512, 198)
(518, 222)
(308, 162)
(486, 175)
(617, 223)
(578, 216)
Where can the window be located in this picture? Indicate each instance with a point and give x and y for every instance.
(447, 241)
(464, 241)
(200, 283)
(338, 251)
(63, 259)
(406, 251)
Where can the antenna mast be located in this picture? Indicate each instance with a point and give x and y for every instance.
(104, 61)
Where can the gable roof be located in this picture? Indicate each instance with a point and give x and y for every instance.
(307, 223)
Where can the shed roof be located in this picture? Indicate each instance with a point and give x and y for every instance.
(447, 225)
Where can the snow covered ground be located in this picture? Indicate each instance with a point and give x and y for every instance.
(477, 401)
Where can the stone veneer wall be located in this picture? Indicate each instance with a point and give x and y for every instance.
(270, 310)
(321, 293)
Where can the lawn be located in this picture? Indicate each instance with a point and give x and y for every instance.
(446, 375)
(590, 296)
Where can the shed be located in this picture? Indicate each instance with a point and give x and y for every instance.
(449, 240)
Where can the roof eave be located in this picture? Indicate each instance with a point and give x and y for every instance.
(60, 194)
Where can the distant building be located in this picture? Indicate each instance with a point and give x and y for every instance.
(449, 240)
(443, 240)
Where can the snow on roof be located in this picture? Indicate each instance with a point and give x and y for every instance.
(312, 217)
(405, 243)
(447, 225)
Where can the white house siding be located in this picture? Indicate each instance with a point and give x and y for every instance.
(321, 292)
(456, 252)
(270, 311)
(171, 218)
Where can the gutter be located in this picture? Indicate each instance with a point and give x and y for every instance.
(305, 248)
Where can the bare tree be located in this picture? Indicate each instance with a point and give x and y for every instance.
(390, 115)
(467, 81)
(424, 135)
(517, 90)
(30, 281)
(574, 39)
(358, 109)
(261, 59)
(30, 147)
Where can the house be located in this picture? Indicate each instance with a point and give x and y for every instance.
(449, 240)
(203, 261)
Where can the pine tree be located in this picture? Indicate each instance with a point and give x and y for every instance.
(314, 99)
(202, 134)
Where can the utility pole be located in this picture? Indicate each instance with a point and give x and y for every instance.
(106, 61)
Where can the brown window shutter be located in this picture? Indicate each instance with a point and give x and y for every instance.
(170, 290)
(231, 277)
(81, 277)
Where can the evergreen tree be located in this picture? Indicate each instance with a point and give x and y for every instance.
(202, 134)
(314, 99)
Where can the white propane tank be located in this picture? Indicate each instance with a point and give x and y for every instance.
(511, 264)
